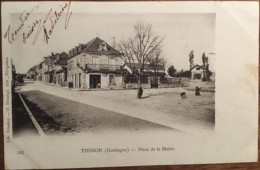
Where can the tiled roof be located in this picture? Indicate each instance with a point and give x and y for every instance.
(61, 62)
(196, 66)
(64, 55)
(92, 47)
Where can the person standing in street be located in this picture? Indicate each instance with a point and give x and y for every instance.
(140, 92)
(197, 91)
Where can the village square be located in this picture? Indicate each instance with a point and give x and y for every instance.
(128, 85)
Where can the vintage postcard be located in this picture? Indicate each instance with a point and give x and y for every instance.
(94, 84)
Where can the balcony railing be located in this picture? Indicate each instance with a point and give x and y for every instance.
(103, 67)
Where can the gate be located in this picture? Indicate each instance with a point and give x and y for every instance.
(154, 82)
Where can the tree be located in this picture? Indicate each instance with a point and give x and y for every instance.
(182, 73)
(157, 62)
(205, 65)
(171, 70)
(140, 48)
(191, 59)
(204, 59)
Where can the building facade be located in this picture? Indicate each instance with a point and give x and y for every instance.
(32, 74)
(197, 72)
(60, 68)
(95, 65)
(201, 73)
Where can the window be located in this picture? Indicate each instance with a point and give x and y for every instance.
(95, 62)
(111, 79)
(111, 63)
(102, 46)
(70, 65)
(197, 68)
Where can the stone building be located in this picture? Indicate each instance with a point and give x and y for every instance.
(95, 65)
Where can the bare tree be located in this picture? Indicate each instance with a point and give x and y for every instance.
(138, 50)
(157, 62)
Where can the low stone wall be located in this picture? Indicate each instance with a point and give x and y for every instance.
(204, 89)
(208, 89)
(116, 86)
(168, 85)
(135, 86)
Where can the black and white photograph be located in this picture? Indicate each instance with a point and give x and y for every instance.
(137, 82)
(156, 64)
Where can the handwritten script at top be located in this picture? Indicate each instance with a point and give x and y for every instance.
(44, 25)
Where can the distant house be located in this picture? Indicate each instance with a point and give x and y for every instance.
(32, 74)
(53, 68)
(95, 65)
(38, 71)
(45, 69)
(199, 72)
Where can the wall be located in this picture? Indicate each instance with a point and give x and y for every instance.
(169, 85)
(135, 86)
(194, 71)
(118, 82)
(74, 70)
(103, 59)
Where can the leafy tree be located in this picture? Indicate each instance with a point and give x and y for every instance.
(204, 59)
(171, 70)
(205, 66)
(191, 58)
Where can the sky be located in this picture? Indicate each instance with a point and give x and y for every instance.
(182, 33)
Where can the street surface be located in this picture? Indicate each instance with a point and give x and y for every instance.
(105, 110)
(73, 117)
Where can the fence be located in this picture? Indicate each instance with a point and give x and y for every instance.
(134, 79)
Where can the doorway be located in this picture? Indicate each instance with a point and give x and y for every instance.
(154, 82)
(95, 81)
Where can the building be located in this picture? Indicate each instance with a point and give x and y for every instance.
(152, 74)
(54, 68)
(32, 74)
(39, 72)
(60, 68)
(95, 65)
(45, 69)
(200, 73)
(197, 72)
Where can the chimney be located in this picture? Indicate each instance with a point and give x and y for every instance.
(114, 42)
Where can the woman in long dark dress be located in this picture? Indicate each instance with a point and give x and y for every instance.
(140, 92)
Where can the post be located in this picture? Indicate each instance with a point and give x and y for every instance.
(159, 82)
(149, 81)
